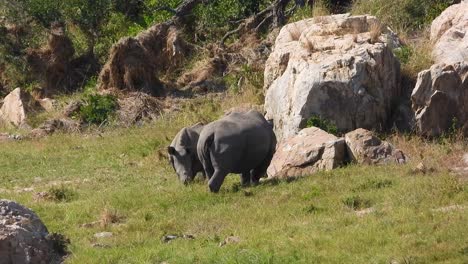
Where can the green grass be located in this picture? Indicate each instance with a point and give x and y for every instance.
(307, 220)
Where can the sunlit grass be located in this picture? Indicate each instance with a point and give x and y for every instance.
(307, 220)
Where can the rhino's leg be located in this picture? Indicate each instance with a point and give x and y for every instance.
(260, 170)
(209, 172)
(245, 178)
(217, 180)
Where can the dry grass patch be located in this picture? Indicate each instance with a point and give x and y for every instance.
(109, 217)
(375, 31)
(308, 45)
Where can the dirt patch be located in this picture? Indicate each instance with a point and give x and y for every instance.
(55, 67)
(138, 107)
(134, 62)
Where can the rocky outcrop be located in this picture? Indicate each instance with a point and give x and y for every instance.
(365, 148)
(440, 98)
(449, 32)
(310, 151)
(54, 125)
(338, 67)
(24, 238)
(15, 108)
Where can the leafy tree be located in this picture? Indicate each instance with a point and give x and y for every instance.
(89, 16)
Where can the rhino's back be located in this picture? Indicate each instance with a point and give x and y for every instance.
(240, 140)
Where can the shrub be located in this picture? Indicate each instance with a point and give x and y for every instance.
(97, 109)
(357, 203)
(402, 15)
(326, 125)
(59, 194)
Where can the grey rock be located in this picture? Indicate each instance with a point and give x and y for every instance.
(334, 68)
(310, 151)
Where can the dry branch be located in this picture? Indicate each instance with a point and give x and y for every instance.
(273, 16)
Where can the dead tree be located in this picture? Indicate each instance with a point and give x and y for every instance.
(273, 16)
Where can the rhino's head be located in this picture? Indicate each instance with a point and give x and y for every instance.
(183, 153)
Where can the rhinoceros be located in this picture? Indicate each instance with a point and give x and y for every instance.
(183, 153)
(241, 143)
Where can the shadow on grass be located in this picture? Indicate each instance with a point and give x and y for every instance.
(276, 181)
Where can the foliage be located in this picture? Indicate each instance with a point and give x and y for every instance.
(60, 194)
(402, 15)
(215, 18)
(324, 124)
(355, 202)
(97, 109)
(404, 54)
(244, 74)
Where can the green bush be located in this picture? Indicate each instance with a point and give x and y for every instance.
(98, 109)
(402, 15)
(357, 203)
(326, 125)
(59, 194)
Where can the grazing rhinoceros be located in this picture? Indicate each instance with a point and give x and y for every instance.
(183, 153)
(237, 143)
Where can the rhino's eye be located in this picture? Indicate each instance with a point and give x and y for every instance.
(187, 151)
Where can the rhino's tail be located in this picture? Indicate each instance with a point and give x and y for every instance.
(204, 154)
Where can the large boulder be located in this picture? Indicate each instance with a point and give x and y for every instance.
(310, 151)
(440, 98)
(365, 148)
(449, 32)
(338, 67)
(24, 238)
(15, 108)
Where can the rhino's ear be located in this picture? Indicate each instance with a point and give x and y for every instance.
(171, 150)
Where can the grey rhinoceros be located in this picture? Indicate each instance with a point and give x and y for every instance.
(241, 143)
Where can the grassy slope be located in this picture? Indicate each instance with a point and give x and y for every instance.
(301, 221)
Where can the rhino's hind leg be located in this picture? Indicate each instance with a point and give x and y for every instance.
(217, 180)
(245, 178)
(260, 171)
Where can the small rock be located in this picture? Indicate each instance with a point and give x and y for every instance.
(99, 245)
(230, 240)
(48, 104)
(310, 151)
(169, 238)
(103, 235)
(365, 211)
(51, 126)
(365, 148)
(422, 168)
(72, 108)
(90, 225)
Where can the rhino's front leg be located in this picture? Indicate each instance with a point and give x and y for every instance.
(217, 180)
